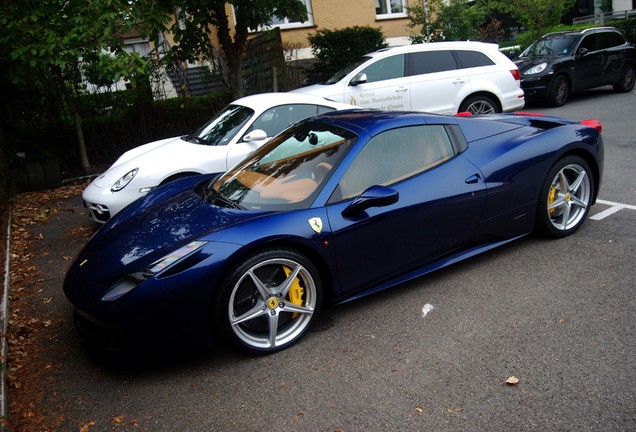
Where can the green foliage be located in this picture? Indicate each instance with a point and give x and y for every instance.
(537, 15)
(441, 20)
(193, 38)
(336, 49)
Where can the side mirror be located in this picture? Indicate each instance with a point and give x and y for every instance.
(374, 196)
(582, 51)
(360, 78)
(255, 135)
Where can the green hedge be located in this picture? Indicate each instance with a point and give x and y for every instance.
(336, 49)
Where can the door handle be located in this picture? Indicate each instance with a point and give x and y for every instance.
(473, 179)
(401, 89)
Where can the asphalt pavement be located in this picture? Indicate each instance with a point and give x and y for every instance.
(431, 354)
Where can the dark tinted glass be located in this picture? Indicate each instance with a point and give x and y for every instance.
(610, 40)
(432, 61)
(470, 59)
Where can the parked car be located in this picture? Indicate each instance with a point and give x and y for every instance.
(441, 77)
(561, 63)
(334, 208)
(240, 128)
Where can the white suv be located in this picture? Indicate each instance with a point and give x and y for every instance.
(440, 77)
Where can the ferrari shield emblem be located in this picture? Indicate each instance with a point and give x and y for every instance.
(315, 224)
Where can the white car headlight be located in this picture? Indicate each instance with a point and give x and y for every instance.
(128, 283)
(536, 69)
(123, 182)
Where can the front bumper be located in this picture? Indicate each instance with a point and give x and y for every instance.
(536, 86)
(103, 204)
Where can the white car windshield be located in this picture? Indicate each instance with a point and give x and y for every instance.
(287, 173)
(222, 128)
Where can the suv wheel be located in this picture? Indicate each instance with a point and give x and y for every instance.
(479, 105)
(559, 91)
(626, 81)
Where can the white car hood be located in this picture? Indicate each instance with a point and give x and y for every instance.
(328, 91)
(160, 159)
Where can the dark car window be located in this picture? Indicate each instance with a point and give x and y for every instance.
(610, 40)
(589, 42)
(393, 156)
(471, 59)
(385, 69)
(277, 119)
(432, 61)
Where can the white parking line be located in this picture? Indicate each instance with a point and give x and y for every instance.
(614, 207)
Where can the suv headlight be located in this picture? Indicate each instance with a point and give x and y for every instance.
(536, 69)
(123, 182)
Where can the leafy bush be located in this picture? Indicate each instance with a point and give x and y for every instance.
(336, 49)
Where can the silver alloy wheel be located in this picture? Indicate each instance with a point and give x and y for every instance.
(272, 303)
(481, 107)
(569, 196)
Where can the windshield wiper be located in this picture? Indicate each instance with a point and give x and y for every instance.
(197, 139)
(211, 193)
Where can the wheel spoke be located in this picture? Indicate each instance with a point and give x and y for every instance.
(272, 320)
(577, 202)
(283, 288)
(557, 203)
(574, 187)
(565, 217)
(255, 312)
(260, 286)
(291, 307)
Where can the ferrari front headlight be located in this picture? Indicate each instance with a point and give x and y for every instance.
(127, 283)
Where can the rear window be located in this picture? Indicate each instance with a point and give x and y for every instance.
(471, 59)
(431, 62)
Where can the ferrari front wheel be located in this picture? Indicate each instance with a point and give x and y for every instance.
(566, 197)
(269, 300)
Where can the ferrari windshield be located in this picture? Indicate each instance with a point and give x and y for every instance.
(288, 172)
(222, 128)
(552, 45)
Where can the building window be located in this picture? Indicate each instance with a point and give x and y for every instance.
(390, 9)
(293, 22)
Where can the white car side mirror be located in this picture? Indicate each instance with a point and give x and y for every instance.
(255, 135)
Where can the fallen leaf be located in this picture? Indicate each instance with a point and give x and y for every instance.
(454, 410)
(118, 419)
(87, 426)
(419, 409)
(513, 380)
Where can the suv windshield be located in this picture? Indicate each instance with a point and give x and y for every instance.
(552, 45)
(289, 171)
(222, 128)
(345, 71)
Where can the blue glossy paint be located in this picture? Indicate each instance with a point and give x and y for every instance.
(480, 199)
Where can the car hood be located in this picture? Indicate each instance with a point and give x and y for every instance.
(152, 227)
(327, 91)
(151, 160)
(526, 62)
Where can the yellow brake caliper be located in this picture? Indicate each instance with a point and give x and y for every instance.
(296, 292)
(551, 196)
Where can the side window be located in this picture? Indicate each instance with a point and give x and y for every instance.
(431, 62)
(609, 40)
(471, 59)
(589, 42)
(276, 119)
(393, 156)
(385, 69)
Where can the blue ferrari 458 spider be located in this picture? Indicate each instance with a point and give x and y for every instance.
(336, 207)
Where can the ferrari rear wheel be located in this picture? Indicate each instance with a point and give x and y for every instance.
(566, 197)
(269, 300)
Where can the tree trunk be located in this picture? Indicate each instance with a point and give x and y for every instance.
(77, 121)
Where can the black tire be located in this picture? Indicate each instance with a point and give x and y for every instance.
(274, 287)
(559, 91)
(479, 105)
(566, 198)
(627, 79)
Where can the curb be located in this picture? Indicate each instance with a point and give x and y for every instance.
(4, 311)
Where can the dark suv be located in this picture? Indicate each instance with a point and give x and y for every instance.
(564, 62)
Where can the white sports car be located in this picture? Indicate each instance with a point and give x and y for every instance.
(240, 128)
